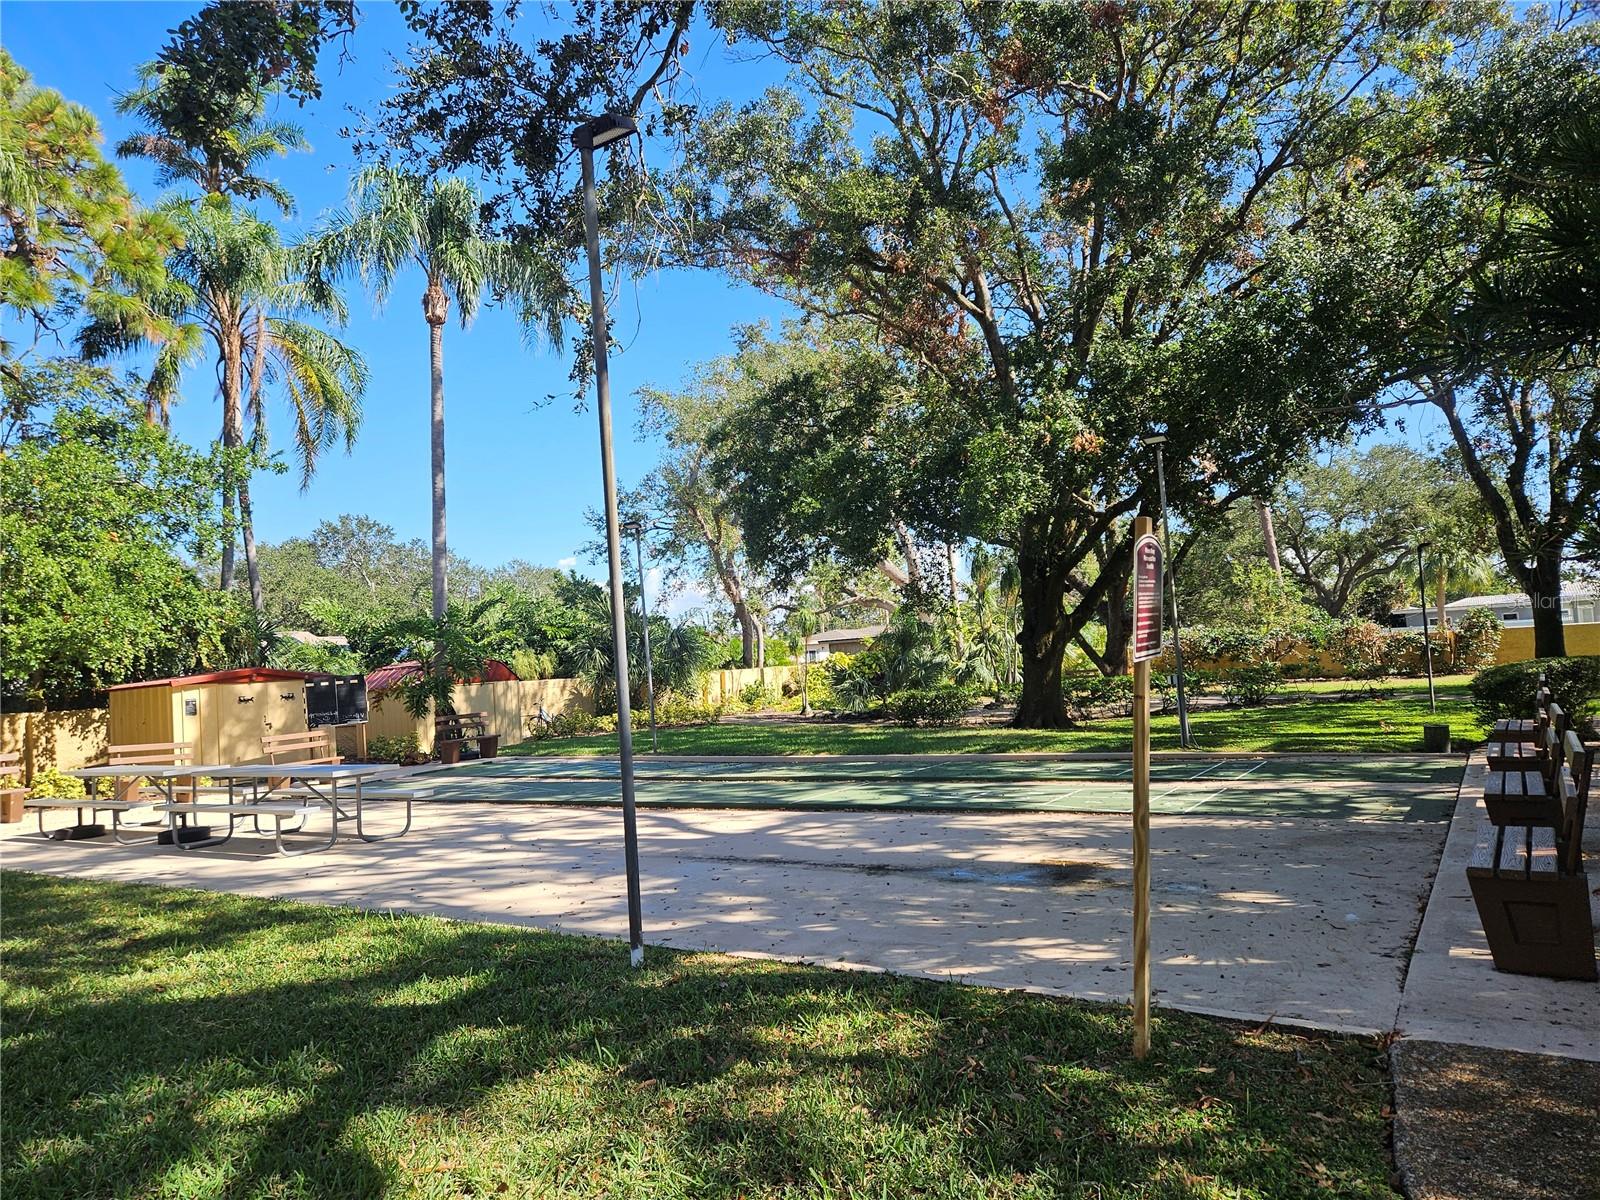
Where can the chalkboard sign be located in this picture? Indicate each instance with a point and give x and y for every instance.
(336, 700)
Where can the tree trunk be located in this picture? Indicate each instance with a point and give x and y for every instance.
(436, 308)
(747, 634)
(1269, 535)
(229, 528)
(247, 524)
(258, 439)
(230, 342)
(1543, 584)
(1041, 642)
(1119, 627)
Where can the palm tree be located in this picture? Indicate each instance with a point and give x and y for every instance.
(239, 287)
(220, 161)
(398, 220)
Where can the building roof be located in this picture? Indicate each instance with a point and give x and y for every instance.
(306, 638)
(241, 675)
(864, 633)
(494, 671)
(1569, 591)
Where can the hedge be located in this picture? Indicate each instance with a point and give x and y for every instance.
(1507, 690)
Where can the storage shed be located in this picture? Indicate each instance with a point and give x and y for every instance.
(224, 713)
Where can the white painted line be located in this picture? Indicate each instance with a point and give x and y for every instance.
(1220, 790)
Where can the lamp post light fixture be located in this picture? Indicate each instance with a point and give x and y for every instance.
(1158, 441)
(1427, 642)
(636, 528)
(602, 131)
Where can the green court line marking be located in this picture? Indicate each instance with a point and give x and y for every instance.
(1220, 790)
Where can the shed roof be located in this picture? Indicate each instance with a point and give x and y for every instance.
(494, 671)
(240, 675)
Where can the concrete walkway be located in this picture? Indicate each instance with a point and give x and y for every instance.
(1299, 920)
(1454, 994)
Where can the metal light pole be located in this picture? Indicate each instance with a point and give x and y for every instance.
(637, 529)
(1158, 441)
(588, 137)
(1427, 642)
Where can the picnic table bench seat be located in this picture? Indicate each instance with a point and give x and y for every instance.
(85, 829)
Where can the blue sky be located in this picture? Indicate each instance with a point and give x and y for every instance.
(520, 472)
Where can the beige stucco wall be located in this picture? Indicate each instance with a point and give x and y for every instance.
(1516, 645)
(509, 704)
(65, 739)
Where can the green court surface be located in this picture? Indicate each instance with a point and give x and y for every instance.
(1398, 788)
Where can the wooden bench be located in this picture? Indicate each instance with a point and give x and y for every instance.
(1529, 884)
(1520, 787)
(451, 731)
(130, 792)
(317, 746)
(11, 798)
(1517, 744)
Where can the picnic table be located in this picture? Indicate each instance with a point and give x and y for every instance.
(163, 776)
(281, 791)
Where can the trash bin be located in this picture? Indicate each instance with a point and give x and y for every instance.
(1436, 739)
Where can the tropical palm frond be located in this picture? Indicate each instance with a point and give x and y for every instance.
(324, 381)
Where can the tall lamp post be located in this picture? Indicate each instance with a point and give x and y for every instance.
(1158, 441)
(589, 137)
(636, 528)
(1427, 642)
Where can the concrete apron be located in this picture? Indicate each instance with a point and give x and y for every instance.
(1454, 994)
(1296, 920)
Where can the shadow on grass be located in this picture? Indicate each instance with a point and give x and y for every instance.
(171, 1043)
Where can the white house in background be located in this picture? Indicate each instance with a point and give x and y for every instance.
(840, 641)
(1580, 605)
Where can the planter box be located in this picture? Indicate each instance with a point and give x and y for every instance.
(11, 801)
(449, 750)
(489, 745)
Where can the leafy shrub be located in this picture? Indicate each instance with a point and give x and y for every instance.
(1087, 694)
(1252, 684)
(941, 704)
(569, 724)
(1361, 648)
(819, 687)
(402, 750)
(674, 710)
(759, 693)
(1404, 652)
(1478, 639)
(855, 682)
(51, 784)
(1507, 690)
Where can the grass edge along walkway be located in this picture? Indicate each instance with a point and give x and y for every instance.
(1367, 726)
(178, 1043)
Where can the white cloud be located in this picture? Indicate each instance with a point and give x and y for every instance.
(568, 562)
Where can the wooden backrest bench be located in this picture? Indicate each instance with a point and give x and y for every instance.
(315, 746)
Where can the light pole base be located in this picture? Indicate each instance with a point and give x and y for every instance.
(636, 956)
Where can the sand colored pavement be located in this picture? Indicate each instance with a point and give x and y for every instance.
(1454, 994)
(1295, 919)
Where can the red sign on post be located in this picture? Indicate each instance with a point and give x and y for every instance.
(1146, 598)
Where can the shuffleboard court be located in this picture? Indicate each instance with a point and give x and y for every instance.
(1398, 788)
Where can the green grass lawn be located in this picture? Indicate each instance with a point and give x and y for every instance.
(1377, 725)
(179, 1044)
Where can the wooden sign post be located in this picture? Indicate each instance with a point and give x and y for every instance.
(1147, 582)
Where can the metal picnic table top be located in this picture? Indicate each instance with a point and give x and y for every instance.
(143, 771)
(328, 772)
